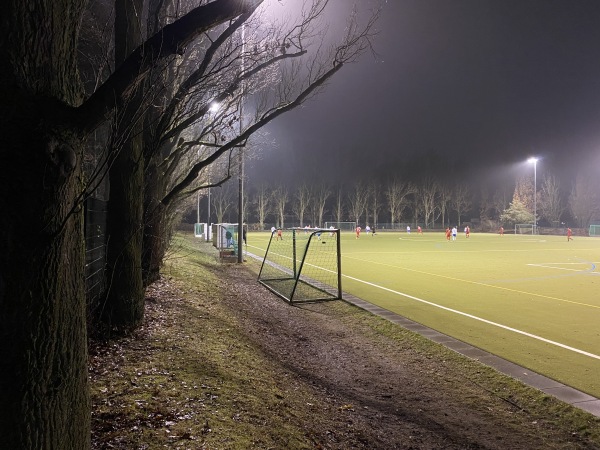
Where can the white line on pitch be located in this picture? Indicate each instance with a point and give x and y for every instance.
(489, 322)
(564, 263)
(565, 268)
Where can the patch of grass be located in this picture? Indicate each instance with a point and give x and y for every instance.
(189, 379)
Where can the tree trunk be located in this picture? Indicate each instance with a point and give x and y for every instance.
(155, 233)
(124, 307)
(155, 244)
(43, 358)
(43, 363)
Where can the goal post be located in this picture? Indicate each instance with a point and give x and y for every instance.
(524, 228)
(303, 265)
(343, 226)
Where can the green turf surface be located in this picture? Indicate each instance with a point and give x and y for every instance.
(533, 300)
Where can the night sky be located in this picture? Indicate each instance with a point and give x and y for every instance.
(484, 84)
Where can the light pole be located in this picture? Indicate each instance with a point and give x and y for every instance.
(208, 225)
(534, 161)
(198, 208)
(240, 256)
(208, 205)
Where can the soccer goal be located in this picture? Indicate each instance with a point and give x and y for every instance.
(524, 228)
(343, 226)
(302, 266)
(594, 230)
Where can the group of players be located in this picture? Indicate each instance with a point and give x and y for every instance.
(372, 232)
(368, 230)
(451, 233)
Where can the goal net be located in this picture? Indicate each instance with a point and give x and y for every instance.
(524, 228)
(303, 265)
(343, 226)
(594, 230)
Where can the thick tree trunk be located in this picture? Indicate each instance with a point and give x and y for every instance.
(44, 399)
(124, 308)
(43, 356)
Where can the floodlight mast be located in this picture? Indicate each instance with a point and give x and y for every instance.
(240, 256)
(534, 161)
(208, 215)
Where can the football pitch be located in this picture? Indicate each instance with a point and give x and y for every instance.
(533, 300)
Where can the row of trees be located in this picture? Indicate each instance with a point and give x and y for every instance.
(398, 201)
(116, 97)
(428, 202)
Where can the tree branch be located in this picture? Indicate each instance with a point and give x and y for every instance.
(195, 170)
(171, 40)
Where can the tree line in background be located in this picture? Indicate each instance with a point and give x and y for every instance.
(143, 104)
(428, 202)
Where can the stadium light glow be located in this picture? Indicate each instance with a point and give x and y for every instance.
(534, 161)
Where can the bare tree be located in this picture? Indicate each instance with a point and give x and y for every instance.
(374, 201)
(417, 209)
(357, 201)
(277, 78)
(301, 202)
(238, 63)
(584, 200)
(461, 200)
(222, 200)
(551, 205)
(338, 209)
(427, 194)
(280, 200)
(444, 198)
(262, 200)
(319, 195)
(294, 84)
(397, 193)
(500, 201)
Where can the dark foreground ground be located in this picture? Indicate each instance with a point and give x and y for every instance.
(221, 363)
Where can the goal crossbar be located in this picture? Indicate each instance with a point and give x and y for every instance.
(343, 226)
(524, 228)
